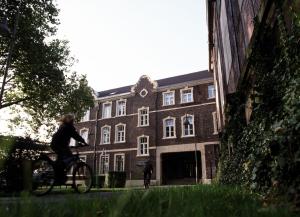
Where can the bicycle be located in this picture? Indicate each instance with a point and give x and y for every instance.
(46, 174)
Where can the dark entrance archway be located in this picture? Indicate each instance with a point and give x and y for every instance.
(180, 168)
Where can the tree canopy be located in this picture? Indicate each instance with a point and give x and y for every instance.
(39, 78)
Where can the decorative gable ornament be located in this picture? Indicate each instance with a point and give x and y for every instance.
(143, 92)
(154, 83)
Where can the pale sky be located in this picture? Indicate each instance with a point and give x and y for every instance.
(117, 41)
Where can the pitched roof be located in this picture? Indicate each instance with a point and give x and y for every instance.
(161, 82)
(184, 78)
(114, 91)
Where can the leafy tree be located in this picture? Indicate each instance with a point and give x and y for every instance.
(39, 78)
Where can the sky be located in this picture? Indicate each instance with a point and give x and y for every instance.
(117, 41)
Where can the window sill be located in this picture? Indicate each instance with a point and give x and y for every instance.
(211, 97)
(188, 136)
(174, 137)
(186, 102)
(106, 118)
(143, 125)
(120, 142)
(143, 155)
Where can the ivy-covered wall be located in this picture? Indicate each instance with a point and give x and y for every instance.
(263, 153)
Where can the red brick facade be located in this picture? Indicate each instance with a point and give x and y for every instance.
(149, 94)
(231, 30)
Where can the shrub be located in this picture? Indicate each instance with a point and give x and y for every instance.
(264, 154)
(14, 152)
(116, 179)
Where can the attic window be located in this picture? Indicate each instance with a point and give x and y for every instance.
(143, 93)
(112, 93)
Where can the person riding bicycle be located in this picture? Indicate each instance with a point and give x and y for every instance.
(61, 139)
(148, 170)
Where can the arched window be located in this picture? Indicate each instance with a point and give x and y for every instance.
(169, 125)
(121, 107)
(120, 133)
(105, 134)
(143, 145)
(187, 129)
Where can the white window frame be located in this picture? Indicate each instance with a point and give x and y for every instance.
(103, 105)
(86, 116)
(117, 131)
(183, 126)
(208, 91)
(139, 146)
(215, 123)
(139, 116)
(164, 128)
(181, 94)
(115, 161)
(84, 129)
(164, 97)
(102, 137)
(100, 165)
(117, 107)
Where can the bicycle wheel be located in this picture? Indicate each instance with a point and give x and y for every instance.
(43, 176)
(82, 178)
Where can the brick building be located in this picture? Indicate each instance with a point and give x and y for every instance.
(231, 28)
(146, 121)
(232, 34)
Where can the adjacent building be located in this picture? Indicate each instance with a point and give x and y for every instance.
(231, 34)
(171, 122)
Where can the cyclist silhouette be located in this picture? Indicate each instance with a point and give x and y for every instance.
(60, 144)
(61, 139)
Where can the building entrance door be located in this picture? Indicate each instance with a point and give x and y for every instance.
(180, 168)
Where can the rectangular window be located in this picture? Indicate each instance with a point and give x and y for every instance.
(143, 145)
(187, 95)
(106, 110)
(105, 135)
(119, 162)
(104, 164)
(121, 108)
(169, 98)
(120, 133)
(143, 117)
(169, 128)
(211, 91)
(188, 129)
(86, 116)
(84, 133)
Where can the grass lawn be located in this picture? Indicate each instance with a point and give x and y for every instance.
(202, 201)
